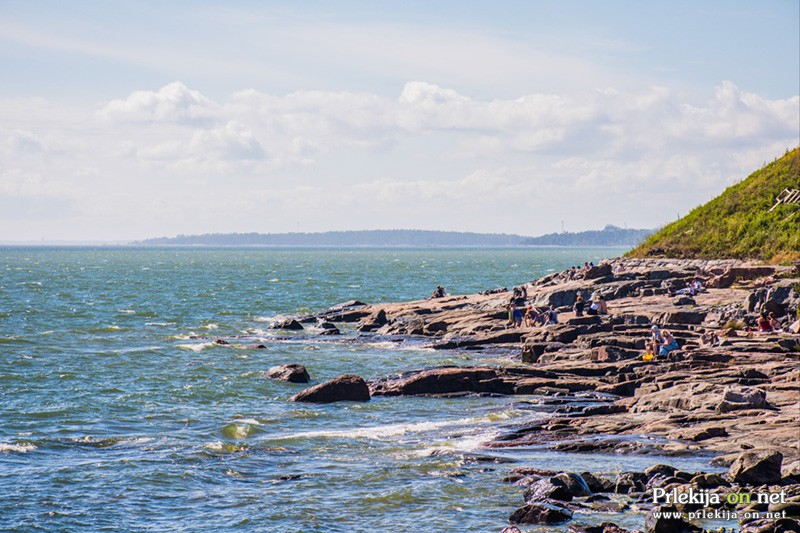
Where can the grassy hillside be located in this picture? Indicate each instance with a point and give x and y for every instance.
(737, 223)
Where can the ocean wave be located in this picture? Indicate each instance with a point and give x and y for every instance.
(159, 324)
(24, 447)
(196, 347)
(126, 311)
(382, 432)
(210, 326)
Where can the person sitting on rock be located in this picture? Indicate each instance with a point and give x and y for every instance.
(669, 344)
(579, 305)
(775, 323)
(764, 323)
(438, 293)
(552, 316)
(697, 286)
(656, 339)
(602, 306)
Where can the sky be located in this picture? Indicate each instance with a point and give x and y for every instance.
(124, 120)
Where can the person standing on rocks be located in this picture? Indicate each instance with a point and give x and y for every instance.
(579, 305)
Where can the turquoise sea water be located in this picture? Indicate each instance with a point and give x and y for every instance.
(115, 416)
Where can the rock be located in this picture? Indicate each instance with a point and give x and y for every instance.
(762, 467)
(511, 529)
(604, 354)
(708, 433)
(292, 373)
(661, 519)
(743, 398)
(598, 271)
(605, 527)
(660, 470)
(792, 509)
(541, 513)
(597, 484)
(684, 300)
(709, 481)
(548, 489)
(732, 274)
(441, 381)
(347, 387)
(574, 483)
(373, 321)
(628, 482)
(289, 323)
(683, 317)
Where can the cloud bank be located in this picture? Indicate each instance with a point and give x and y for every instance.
(173, 160)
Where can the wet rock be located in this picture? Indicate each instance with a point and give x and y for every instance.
(347, 387)
(708, 433)
(667, 519)
(292, 373)
(597, 483)
(574, 483)
(548, 489)
(289, 323)
(373, 321)
(753, 467)
(541, 513)
(605, 527)
(628, 482)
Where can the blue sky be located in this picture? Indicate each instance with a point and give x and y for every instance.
(125, 120)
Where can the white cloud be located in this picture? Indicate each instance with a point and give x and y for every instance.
(431, 157)
(172, 103)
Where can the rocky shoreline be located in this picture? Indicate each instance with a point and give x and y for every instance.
(738, 397)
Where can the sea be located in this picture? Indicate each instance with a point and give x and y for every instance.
(119, 412)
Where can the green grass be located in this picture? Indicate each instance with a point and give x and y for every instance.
(737, 223)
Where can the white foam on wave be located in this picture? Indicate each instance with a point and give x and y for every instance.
(196, 347)
(210, 326)
(159, 324)
(381, 432)
(126, 311)
(17, 448)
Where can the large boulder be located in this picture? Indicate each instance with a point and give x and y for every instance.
(443, 380)
(756, 467)
(292, 373)
(540, 513)
(347, 387)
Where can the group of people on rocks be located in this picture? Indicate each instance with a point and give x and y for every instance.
(767, 323)
(597, 307)
(661, 343)
(692, 289)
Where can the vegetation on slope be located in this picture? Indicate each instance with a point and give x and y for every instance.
(738, 223)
